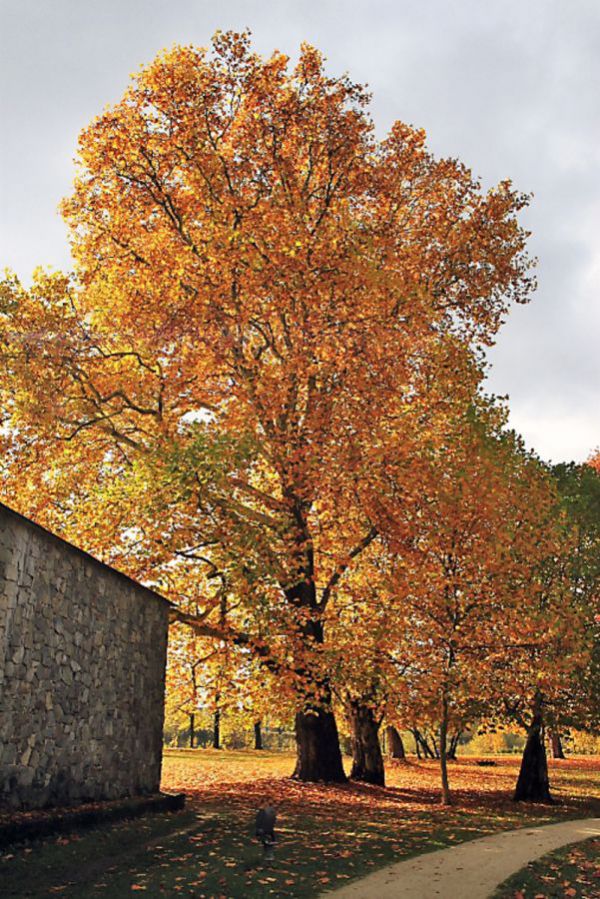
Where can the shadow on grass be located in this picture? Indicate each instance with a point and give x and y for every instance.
(327, 835)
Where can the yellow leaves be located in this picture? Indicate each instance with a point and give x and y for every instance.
(251, 257)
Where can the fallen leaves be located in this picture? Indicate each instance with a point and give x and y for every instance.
(326, 834)
(569, 873)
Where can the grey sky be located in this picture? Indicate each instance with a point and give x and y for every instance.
(512, 88)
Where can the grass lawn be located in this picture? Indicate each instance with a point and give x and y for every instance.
(327, 834)
(573, 871)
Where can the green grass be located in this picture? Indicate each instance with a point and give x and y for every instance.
(573, 871)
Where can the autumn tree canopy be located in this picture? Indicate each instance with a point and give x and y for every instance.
(273, 317)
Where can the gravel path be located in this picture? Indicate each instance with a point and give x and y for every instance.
(471, 870)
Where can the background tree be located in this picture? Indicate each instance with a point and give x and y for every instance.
(550, 684)
(578, 489)
(468, 577)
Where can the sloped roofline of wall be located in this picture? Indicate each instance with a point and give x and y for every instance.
(81, 552)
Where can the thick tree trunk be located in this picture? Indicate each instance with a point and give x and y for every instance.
(258, 744)
(318, 755)
(395, 744)
(192, 718)
(367, 760)
(217, 730)
(446, 799)
(533, 783)
(556, 744)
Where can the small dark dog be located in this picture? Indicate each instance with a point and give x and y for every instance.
(265, 830)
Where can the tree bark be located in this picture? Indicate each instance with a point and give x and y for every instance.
(367, 760)
(421, 741)
(318, 756)
(395, 744)
(192, 729)
(533, 783)
(217, 729)
(318, 753)
(556, 744)
(446, 798)
(417, 747)
(454, 745)
(258, 744)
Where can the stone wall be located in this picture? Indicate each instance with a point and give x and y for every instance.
(82, 667)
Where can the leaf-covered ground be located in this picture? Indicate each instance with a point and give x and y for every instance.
(569, 873)
(326, 835)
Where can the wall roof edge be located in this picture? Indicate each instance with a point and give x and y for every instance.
(71, 546)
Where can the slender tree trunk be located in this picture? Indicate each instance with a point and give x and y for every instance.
(217, 729)
(417, 746)
(217, 716)
(446, 798)
(367, 760)
(421, 741)
(195, 705)
(258, 744)
(556, 744)
(428, 752)
(454, 745)
(395, 744)
(533, 783)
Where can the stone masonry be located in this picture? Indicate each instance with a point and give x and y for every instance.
(82, 671)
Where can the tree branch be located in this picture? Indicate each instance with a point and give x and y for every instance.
(341, 569)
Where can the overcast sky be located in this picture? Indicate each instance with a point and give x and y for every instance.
(512, 88)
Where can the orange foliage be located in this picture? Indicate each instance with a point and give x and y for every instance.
(274, 322)
(594, 461)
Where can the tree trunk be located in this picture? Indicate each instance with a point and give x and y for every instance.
(395, 744)
(446, 799)
(318, 755)
(192, 729)
(417, 747)
(533, 784)
(454, 745)
(217, 729)
(421, 741)
(367, 760)
(258, 744)
(556, 744)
